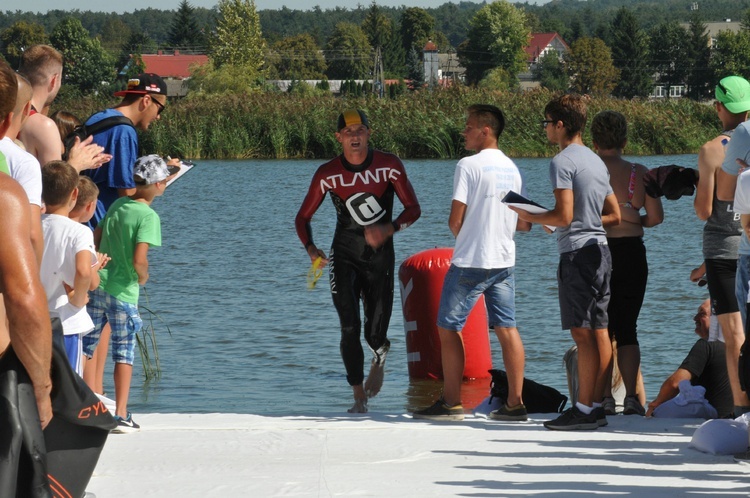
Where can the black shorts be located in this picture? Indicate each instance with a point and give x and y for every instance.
(628, 287)
(721, 274)
(583, 278)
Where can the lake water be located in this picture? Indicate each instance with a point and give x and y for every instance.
(248, 337)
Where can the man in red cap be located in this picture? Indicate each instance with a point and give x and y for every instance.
(362, 182)
(142, 103)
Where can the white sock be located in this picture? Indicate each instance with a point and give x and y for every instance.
(585, 409)
(596, 405)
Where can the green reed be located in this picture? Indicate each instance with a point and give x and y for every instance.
(424, 124)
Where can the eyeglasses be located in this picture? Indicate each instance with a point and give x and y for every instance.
(158, 104)
(545, 122)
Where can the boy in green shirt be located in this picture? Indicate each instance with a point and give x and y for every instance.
(125, 234)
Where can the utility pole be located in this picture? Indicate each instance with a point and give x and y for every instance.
(378, 80)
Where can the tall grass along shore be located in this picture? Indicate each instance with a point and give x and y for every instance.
(424, 124)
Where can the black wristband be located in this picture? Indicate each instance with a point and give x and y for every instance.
(307, 246)
(395, 226)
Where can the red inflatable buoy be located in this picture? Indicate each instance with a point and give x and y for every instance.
(421, 279)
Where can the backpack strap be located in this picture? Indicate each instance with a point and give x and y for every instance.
(107, 123)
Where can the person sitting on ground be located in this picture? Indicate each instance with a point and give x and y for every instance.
(609, 131)
(130, 227)
(482, 264)
(705, 365)
(69, 258)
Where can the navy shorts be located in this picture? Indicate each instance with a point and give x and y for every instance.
(583, 278)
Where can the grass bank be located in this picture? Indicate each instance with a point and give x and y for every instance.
(415, 125)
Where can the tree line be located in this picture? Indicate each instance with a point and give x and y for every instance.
(619, 47)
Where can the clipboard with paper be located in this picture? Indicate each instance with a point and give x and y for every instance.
(517, 200)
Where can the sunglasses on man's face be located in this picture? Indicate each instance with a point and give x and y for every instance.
(158, 104)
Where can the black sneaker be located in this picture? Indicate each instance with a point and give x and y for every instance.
(518, 412)
(441, 411)
(573, 419)
(601, 416)
(126, 425)
(632, 406)
(609, 405)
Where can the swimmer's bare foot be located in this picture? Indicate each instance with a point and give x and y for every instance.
(359, 406)
(377, 371)
(374, 379)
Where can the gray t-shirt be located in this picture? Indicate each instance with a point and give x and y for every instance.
(738, 148)
(579, 169)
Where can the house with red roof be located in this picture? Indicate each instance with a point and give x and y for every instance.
(543, 43)
(174, 68)
(539, 46)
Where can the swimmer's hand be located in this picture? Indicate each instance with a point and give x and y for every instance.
(377, 235)
(314, 253)
(315, 272)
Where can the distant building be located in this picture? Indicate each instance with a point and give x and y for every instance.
(714, 28)
(174, 68)
(540, 45)
(431, 64)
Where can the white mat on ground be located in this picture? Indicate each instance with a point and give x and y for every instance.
(226, 455)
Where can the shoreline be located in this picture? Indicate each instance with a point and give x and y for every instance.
(375, 454)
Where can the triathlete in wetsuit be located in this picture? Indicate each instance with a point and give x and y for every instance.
(361, 182)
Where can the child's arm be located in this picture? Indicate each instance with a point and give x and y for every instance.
(101, 261)
(140, 262)
(97, 237)
(82, 281)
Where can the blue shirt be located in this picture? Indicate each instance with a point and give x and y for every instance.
(122, 142)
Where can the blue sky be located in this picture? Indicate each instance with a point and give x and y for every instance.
(131, 5)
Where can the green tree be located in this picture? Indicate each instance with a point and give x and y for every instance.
(348, 53)
(669, 47)
(86, 65)
(550, 72)
(113, 35)
(630, 54)
(745, 20)
(296, 58)
(731, 54)
(137, 44)
(184, 32)
(415, 69)
(238, 40)
(394, 55)
(498, 79)
(416, 27)
(700, 77)
(377, 26)
(18, 36)
(590, 67)
(497, 37)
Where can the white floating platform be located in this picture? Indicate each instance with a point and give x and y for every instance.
(227, 455)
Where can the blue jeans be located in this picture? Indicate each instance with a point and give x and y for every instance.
(463, 287)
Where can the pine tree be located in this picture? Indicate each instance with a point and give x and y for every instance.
(184, 32)
(700, 75)
(415, 69)
(630, 54)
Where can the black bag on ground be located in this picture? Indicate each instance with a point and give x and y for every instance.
(538, 398)
(82, 132)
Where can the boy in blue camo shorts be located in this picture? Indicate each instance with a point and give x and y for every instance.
(126, 232)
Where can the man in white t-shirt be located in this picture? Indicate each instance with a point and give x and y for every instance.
(482, 264)
(22, 166)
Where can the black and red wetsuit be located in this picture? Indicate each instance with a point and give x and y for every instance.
(362, 195)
